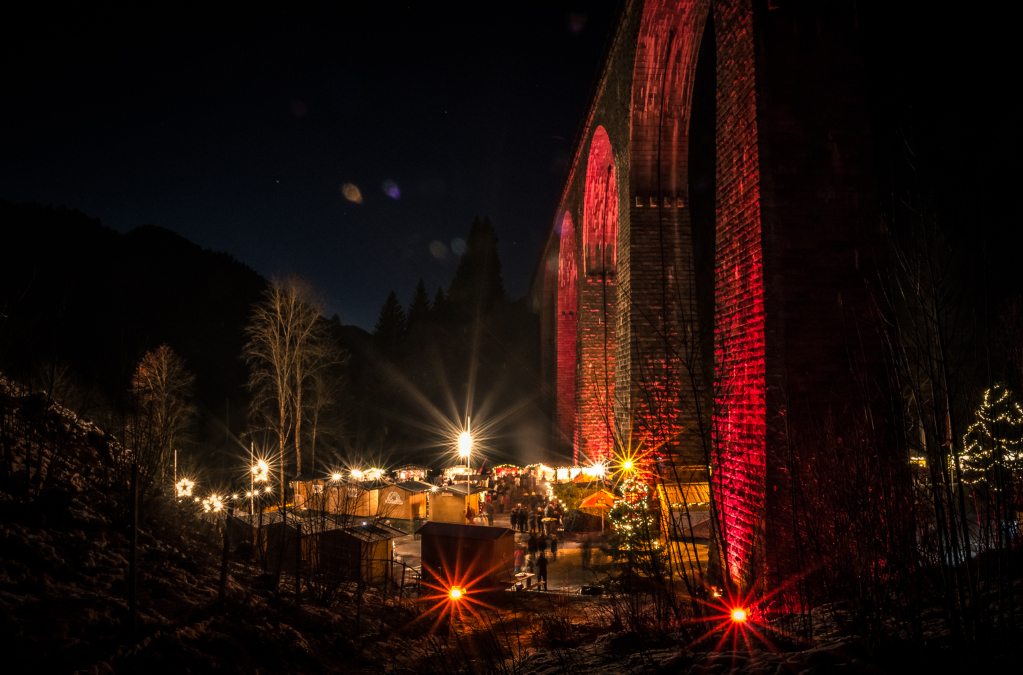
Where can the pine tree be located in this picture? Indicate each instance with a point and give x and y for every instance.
(634, 547)
(419, 307)
(993, 444)
(477, 284)
(392, 323)
(440, 303)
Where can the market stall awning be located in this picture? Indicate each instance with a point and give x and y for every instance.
(598, 500)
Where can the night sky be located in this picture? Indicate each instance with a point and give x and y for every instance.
(240, 132)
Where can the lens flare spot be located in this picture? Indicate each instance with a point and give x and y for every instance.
(390, 189)
(438, 250)
(352, 193)
(738, 615)
(458, 246)
(456, 593)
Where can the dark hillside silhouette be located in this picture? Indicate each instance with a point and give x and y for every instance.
(75, 292)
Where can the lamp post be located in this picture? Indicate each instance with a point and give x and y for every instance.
(464, 448)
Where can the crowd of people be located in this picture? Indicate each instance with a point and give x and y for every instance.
(531, 512)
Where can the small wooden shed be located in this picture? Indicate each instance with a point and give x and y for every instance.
(480, 556)
(348, 548)
(274, 534)
(351, 497)
(405, 501)
(447, 504)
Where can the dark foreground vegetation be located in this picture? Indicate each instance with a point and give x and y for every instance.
(72, 600)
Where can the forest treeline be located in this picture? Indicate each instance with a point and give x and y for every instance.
(81, 306)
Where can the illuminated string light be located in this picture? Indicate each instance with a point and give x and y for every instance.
(261, 472)
(985, 450)
(212, 504)
(184, 487)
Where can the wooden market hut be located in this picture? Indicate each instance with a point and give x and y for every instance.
(411, 472)
(274, 534)
(447, 504)
(453, 553)
(406, 501)
(685, 505)
(348, 548)
(350, 497)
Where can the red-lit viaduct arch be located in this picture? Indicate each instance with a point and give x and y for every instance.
(707, 319)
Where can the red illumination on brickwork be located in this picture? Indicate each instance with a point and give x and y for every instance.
(600, 218)
(739, 425)
(659, 259)
(597, 328)
(568, 299)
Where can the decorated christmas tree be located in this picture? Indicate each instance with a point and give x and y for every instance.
(992, 445)
(634, 548)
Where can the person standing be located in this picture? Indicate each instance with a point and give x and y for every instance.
(532, 521)
(554, 548)
(469, 515)
(519, 559)
(532, 545)
(488, 510)
(541, 572)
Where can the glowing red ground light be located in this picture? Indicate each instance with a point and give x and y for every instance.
(453, 598)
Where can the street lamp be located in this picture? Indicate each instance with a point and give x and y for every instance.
(464, 448)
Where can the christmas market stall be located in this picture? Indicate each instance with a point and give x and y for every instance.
(348, 548)
(453, 554)
(405, 503)
(448, 504)
(411, 472)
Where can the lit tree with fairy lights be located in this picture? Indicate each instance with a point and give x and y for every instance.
(634, 548)
(992, 445)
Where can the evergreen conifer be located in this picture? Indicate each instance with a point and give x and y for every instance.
(392, 323)
(419, 307)
(477, 285)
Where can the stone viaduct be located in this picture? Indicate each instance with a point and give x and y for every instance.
(715, 239)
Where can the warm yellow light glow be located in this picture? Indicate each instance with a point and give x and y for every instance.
(356, 474)
(212, 504)
(464, 444)
(738, 615)
(627, 465)
(336, 476)
(456, 593)
(184, 487)
(261, 472)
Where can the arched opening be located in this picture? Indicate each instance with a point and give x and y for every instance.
(567, 327)
(600, 236)
(599, 297)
